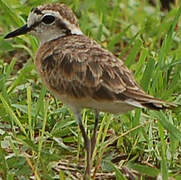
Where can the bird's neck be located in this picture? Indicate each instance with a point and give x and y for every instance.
(51, 35)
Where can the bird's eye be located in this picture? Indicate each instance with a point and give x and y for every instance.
(48, 19)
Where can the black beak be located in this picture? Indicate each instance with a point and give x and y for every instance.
(22, 30)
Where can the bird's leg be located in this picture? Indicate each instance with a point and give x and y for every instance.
(87, 144)
(94, 136)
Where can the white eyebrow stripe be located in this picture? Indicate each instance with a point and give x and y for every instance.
(72, 27)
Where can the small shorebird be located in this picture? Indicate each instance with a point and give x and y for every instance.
(80, 72)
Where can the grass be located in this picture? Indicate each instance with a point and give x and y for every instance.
(40, 137)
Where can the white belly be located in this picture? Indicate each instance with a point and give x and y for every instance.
(115, 107)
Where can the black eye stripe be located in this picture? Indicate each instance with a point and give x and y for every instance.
(48, 19)
(34, 25)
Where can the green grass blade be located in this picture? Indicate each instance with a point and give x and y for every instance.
(29, 102)
(147, 75)
(40, 101)
(167, 125)
(118, 173)
(164, 169)
(10, 67)
(143, 169)
(132, 55)
(167, 43)
(43, 129)
(3, 164)
(15, 19)
(12, 114)
(115, 39)
(22, 76)
(141, 61)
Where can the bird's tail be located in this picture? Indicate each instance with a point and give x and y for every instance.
(141, 99)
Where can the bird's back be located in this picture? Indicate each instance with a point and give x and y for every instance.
(83, 74)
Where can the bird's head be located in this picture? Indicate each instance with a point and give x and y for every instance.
(48, 22)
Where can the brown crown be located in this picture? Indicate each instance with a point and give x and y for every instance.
(64, 11)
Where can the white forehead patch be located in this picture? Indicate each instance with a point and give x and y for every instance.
(32, 19)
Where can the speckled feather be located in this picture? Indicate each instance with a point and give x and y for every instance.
(77, 69)
(83, 74)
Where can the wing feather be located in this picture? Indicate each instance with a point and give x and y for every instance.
(79, 67)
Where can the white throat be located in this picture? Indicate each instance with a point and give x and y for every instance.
(51, 35)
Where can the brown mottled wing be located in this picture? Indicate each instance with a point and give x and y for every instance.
(79, 67)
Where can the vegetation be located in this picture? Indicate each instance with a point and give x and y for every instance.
(40, 137)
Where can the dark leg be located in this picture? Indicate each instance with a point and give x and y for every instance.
(87, 144)
(94, 136)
